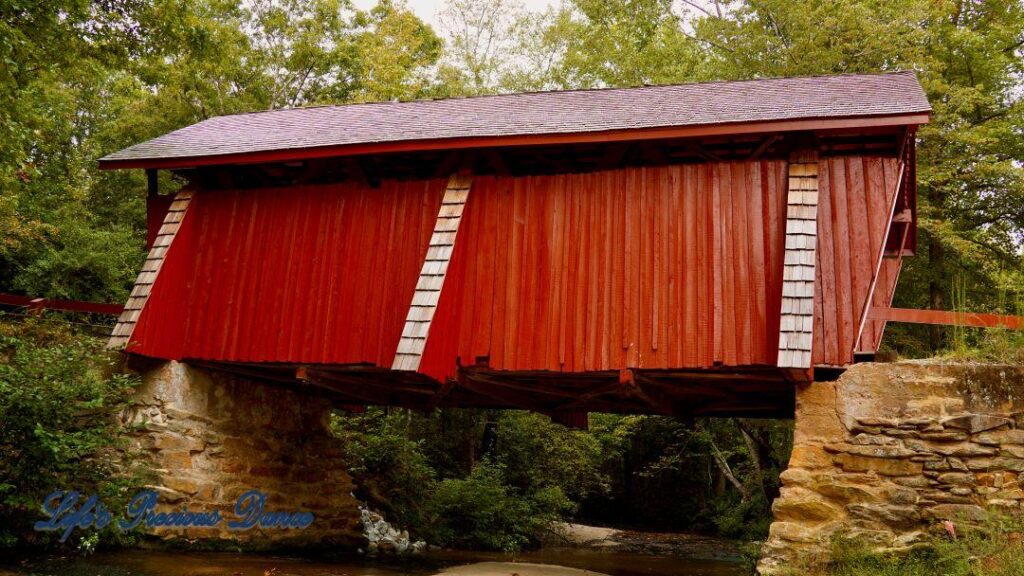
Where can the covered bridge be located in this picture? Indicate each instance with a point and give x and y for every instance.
(691, 249)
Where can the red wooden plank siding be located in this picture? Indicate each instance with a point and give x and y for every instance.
(657, 267)
(599, 271)
(889, 269)
(855, 198)
(307, 274)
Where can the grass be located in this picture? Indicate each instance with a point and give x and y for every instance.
(986, 344)
(992, 549)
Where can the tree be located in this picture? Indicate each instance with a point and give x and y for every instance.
(483, 44)
(394, 51)
(82, 79)
(621, 43)
(971, 156)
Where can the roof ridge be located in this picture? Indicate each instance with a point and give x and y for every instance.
(564, 91)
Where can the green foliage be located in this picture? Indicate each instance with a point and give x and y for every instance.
(538, 454)
(472, 478)
(390, 467)
(429, 474)
(59, 400)
(82, 79)
(483, 511)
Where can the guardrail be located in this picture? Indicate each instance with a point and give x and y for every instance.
(947, 318)
(40, 304)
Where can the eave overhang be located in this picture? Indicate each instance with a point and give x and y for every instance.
(659, 133)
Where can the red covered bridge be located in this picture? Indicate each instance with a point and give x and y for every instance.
(691, 249)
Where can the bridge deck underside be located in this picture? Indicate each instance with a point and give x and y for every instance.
(758, 391)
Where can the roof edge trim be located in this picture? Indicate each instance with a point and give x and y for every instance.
(296, 154)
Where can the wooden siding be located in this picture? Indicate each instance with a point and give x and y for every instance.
(796, 326)
(303, 274)
(677, 266)
(854, 211)
(658, 267)
(432, 275)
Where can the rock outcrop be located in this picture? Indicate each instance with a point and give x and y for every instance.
(383, 538)
(890, 450)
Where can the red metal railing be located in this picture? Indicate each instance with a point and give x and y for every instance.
(947, 318)
(65, 305)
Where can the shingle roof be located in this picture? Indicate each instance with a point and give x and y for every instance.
(538, 113)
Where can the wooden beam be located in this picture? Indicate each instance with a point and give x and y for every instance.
(763, 147)
(575, 419)
(152, 182)
(947, 318)
(65, 305)
(701, 151)
(446, 389)
(496, 162)
(355, 171)
(613, 156)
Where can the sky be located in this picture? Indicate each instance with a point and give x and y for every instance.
(427, 10)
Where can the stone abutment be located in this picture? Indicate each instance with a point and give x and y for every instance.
(210, 438)
(889, 451)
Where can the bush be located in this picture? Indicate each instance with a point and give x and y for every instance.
(537, 454)
(58, 430)
(390, 469)
(483, 512)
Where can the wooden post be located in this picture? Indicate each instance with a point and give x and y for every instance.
(152, 182)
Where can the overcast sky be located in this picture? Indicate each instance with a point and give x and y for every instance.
(427, 10)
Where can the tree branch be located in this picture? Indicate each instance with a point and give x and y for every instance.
(727, 471)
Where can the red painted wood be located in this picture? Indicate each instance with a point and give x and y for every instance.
(947, 318)
(156, 210)
(34, 303)
(614, 269)
(658, 267)
(854, 192)
(319, 274)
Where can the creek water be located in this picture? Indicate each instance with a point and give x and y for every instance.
(164, 563)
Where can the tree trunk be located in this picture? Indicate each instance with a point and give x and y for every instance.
(936, 259)
(727, 471)
(755, 459)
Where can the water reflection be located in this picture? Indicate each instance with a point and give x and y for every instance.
(150, 563)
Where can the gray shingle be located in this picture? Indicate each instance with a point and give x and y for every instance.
(537, 113)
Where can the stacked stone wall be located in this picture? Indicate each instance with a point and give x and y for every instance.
(209, 438)
(889, 451)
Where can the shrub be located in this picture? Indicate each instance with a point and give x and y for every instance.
(58, 430)
(390, 469)
(539, 454)
(483, 512)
